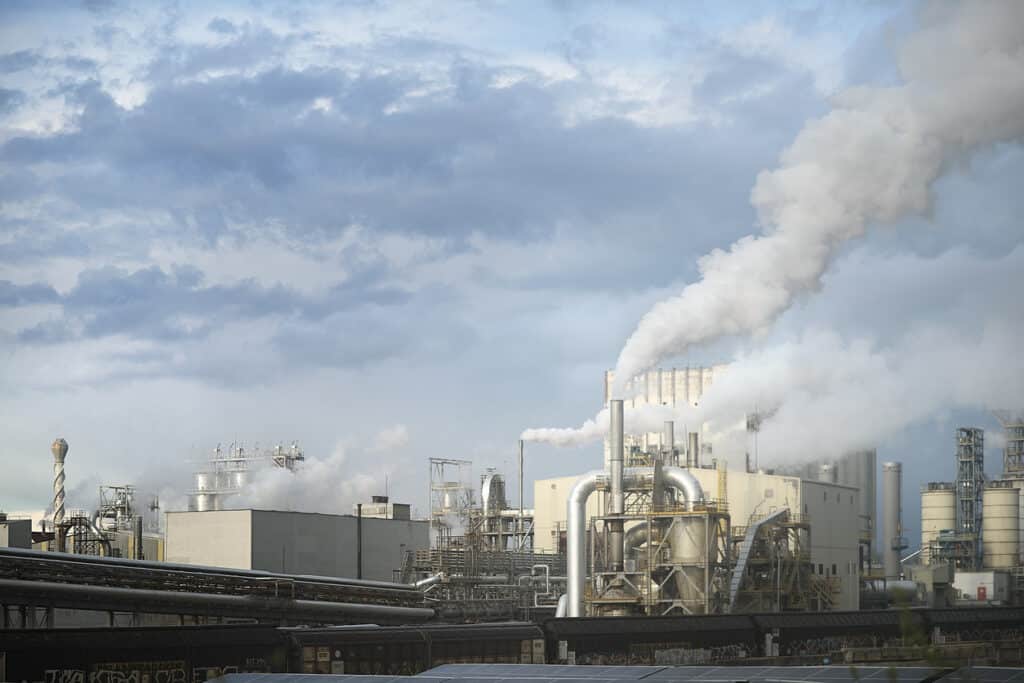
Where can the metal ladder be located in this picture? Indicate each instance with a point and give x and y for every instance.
(744, 555)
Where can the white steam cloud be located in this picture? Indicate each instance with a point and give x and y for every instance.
(872, 159)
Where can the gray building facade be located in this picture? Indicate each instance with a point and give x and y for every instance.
(293, 542)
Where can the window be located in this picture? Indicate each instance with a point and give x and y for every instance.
(834, 572)
(821, 569)
(805, 508)
(824, 496)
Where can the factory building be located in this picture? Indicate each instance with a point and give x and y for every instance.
(829, 510)
(294, 542)
(15, 533)
(662, 387)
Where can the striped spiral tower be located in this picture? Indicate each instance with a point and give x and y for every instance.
(60, 451)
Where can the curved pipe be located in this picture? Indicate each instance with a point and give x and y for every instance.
(685, 482)
(429, 581)
(576, 547)
(563, 602)
(576, 516)
(635, 536)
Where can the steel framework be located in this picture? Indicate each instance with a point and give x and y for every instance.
(970, 486)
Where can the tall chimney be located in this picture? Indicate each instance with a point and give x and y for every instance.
(668, 443)
(60, 451)
(693, 450)
(617, 443)
(892, 518)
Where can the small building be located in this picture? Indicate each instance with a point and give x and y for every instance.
(294, 542)
(15, 533)
(985, 586)
(382, 508)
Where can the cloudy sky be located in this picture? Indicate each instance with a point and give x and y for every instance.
(393, 231)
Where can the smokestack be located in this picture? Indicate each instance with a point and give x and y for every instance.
(668, 443)
(693, 450)
(60, 451)
(616, 440)
(892, 518)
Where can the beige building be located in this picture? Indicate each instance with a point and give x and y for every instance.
(831, 509)
(666, 387)
(293, 542)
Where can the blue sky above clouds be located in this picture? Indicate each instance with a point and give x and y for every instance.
(331, 221)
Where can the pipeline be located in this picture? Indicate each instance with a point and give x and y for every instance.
(634, 477)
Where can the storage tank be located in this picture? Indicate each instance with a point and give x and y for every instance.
(938, 513)
(206, 481)
(828, 473)
(235, 480)
(1000, 525)
(688, 540)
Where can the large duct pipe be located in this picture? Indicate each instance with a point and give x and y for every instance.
(60, 451)
(668, 443)
(576, 514)
(693, 450)
(616, 462)
(635, 537)
(683, 481)
(892, 513)
(576, 547)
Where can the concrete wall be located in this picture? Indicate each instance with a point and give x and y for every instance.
(996, 585)
(834, 512)
(325, 545)
(550, 497)
(16, 533)
(216, 538)
(292, 542)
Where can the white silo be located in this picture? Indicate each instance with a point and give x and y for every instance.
(938, 513)
(1000, 525)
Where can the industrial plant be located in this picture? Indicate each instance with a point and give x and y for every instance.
(662, 531)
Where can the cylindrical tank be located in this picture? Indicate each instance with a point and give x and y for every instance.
(689, 547)
(1000, 526)
(201, 502)
(235, 480)
(827, 472)
(206, 481)
(938, 513)
(892, 515)
(693, 449)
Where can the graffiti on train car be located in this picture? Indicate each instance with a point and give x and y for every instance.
(153, 672)
(122, 672)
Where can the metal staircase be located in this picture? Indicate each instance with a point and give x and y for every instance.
(744, 553)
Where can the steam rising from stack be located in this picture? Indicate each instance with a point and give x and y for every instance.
(872, 159)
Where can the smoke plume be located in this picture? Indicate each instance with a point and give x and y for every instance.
(872, 159)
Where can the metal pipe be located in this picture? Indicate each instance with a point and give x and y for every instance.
(137, 523)
(634, 537)
(693, 450)
(75, 596)
(563, 604)
(429, 581)
(683, 481)
(576, 515)
(522, 536)
(576, 546)
(359, 540)
(668, 443)
(892, 526)
(618, 496)
(92, 561)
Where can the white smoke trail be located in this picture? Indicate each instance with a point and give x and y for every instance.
(872, 159)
